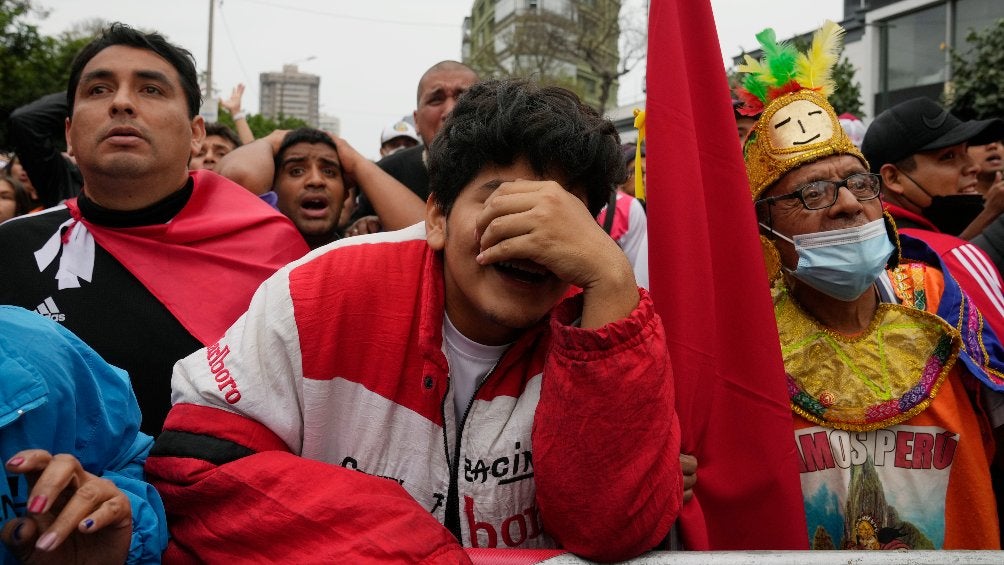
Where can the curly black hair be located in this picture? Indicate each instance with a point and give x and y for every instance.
(302, 135)
(499, 121)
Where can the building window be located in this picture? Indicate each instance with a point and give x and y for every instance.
(531, 4)
(974, 15)
(914, 48)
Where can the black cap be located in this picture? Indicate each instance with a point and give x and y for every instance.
(921, 124)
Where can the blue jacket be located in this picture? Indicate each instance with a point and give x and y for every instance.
(57, 394)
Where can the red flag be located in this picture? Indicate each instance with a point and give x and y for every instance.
(206, 263)
(710, 287)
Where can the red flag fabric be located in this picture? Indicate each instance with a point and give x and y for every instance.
(710, 287)
(206, 263)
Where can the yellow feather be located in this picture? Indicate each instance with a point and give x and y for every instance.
(752, 66)
(814, 69)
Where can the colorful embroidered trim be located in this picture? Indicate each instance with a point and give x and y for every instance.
(884, 376)
(957, 309)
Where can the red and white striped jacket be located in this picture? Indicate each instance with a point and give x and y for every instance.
(968, 264)
(571, 441)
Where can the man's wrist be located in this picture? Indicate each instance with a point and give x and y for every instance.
(240, 116)
(611, 298)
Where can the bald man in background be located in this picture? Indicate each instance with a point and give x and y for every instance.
(438, 90)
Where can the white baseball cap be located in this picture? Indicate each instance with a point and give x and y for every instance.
(399, 128)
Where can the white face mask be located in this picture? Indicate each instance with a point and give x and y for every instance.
(841, 263)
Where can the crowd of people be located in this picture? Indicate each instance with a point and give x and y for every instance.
(275, 348)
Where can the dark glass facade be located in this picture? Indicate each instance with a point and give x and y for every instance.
(914, 46)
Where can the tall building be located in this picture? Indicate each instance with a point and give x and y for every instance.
(290, 94)
(900, 48)
(902, 45)
(573, 43)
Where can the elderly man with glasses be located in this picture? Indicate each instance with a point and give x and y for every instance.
(894, 380)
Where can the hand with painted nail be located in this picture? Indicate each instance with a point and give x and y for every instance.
(72, 516)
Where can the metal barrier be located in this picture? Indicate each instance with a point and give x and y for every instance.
(895, 557)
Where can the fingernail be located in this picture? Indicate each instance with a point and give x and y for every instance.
(88, 524)
(46, 542)
(15, 461)
(37, 504)
(479, 257)
(17, 531)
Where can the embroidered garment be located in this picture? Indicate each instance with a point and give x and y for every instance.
(873, 380)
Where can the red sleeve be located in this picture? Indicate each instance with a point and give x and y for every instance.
(233, 491)
(606, 437)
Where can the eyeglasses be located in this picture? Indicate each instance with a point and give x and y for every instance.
(821, 194)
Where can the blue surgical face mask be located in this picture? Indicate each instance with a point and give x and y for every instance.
(841, 263)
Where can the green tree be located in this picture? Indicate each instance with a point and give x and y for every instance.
(32, 65)
(976, 90)
(260, 125)
(20, 43)
(846, 96)
(585, 49)
(529, 51)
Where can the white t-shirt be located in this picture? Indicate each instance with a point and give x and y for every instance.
(470, 362)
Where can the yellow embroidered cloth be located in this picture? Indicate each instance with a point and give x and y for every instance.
(876, 379)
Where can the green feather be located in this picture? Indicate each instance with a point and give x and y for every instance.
(756, 87)
(779, 58)
(767, 40)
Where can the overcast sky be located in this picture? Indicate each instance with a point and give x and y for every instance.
(370, 54)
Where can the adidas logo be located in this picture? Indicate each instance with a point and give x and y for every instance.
(48, 309)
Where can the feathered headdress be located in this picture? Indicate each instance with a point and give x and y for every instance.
(796, 123)
(783, 69)
(789, 91)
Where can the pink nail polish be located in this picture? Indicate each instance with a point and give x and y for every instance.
(15, 461)
(37, 504)
(46, 542)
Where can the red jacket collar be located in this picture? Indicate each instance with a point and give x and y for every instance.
(899, 212)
